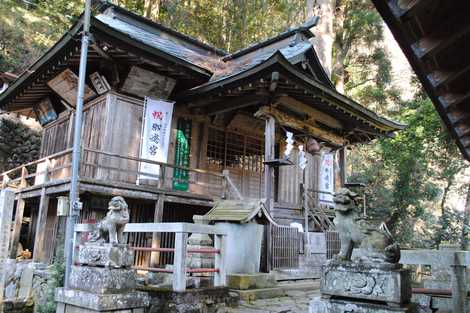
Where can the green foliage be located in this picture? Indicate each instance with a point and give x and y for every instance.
(55, 280)
(411, 176)
(18, 144)
(27, 31)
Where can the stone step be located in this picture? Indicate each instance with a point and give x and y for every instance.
(284, 289)
(297, 273)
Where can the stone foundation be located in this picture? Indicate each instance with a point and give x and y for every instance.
(72, 301)
(102, 279)
(319, 305)
(386, 283)
(208, 300)
(103, 282)
(251, 281)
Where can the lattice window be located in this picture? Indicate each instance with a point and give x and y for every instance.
(234, 150)
(216, 147)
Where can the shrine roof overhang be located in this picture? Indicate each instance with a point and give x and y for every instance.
(277, 78)
(435, 38)
(130, 41)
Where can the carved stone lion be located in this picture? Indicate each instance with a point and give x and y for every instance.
(111, 228)
(355, 230)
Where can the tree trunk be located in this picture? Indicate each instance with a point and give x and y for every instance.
(152, 9)
(340, 49)
(324, 34)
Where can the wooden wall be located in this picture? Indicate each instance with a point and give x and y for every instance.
(288, 207)
(93, 129)
(56, 136)
(123, 126)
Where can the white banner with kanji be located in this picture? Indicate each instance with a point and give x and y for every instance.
(156, 130)
(327, 178)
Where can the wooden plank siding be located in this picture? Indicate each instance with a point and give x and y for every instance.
(94, 119)
(288, 207)
(123, 126)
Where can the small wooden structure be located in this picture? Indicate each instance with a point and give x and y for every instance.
(231, 111)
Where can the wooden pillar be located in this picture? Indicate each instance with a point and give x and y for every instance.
(269, 145)
(459, 288)
(342, 165)
(17, 226)
(39, 253)
(156, 237)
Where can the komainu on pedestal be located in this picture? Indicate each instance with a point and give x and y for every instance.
(370, 280)
(103, 280)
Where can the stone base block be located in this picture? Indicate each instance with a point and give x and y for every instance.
(318, 305)
(102, 279)
(105, 254)
(77, 301)
(251, 281)
(366, 281)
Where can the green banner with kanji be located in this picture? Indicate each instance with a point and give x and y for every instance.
(182, 150)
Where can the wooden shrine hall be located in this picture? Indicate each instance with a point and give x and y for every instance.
(230, 117)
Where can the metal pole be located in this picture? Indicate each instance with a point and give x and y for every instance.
(75, 205)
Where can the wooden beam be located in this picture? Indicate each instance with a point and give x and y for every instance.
(236, 104)
(314, 115)
(156, 237)
(439, 78)
(20, 203)
(429, 46)
(40, 236)
(407, 9)
(288, 121)
(450, 101)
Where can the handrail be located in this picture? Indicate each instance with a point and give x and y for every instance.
(51, 156)
(131, 158)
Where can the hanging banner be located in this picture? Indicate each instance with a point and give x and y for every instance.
(327, 176)
(156, 130)
(182, 149)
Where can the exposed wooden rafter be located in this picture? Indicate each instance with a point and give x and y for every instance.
(291, 122)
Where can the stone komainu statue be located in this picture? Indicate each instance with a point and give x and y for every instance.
(111, 228)
(374, 240)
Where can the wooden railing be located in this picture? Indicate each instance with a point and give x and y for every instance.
(113, 167)
(181, 231)
(41, 169)
(321, 215)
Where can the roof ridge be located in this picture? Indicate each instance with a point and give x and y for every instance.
(304, 29)
(161, 26)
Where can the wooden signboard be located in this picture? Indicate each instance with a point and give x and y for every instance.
(65, 85)
(144, 83)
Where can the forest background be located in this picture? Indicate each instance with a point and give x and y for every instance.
(416, 181)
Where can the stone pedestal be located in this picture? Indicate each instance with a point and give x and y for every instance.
(102, 282)
(388, 283)
(365, 288)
